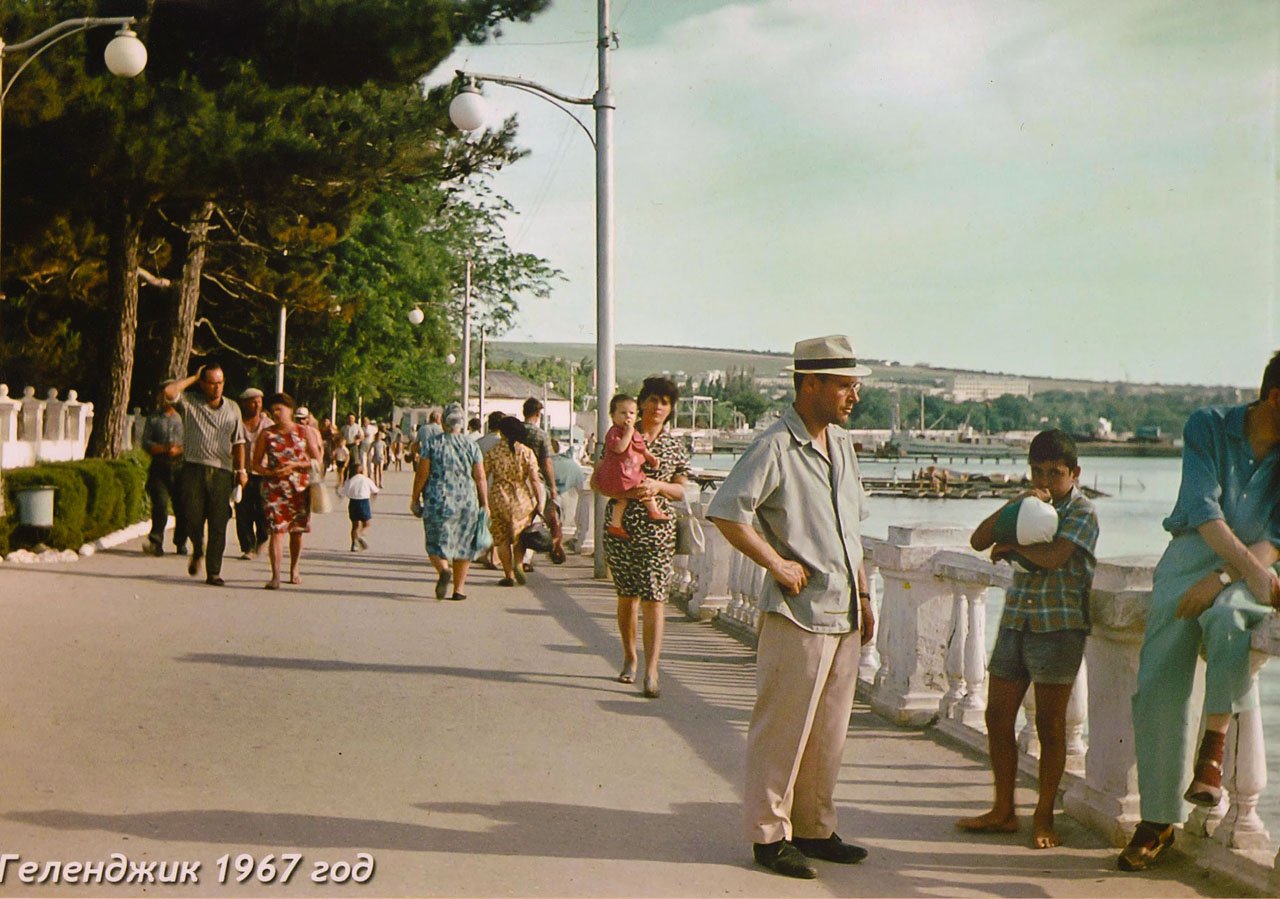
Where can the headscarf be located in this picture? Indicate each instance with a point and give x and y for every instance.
(454, 418)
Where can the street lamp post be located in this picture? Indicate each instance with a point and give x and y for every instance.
(466, 344)
(468, 112)
(125, 56)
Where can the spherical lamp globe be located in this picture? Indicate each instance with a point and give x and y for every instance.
(416, 316)
(451, 358)
(125, 56)
(468, 110)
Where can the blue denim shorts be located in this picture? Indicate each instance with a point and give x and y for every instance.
(1049, 658)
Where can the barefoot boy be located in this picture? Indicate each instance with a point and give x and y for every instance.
(1042, 636)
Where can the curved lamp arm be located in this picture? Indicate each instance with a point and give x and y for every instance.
(532, 87)
(50, 36)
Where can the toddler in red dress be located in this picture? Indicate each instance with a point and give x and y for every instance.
(622, 467)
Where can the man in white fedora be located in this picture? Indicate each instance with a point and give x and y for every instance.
(794, 504)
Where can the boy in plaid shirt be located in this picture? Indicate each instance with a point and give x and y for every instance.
(1042, 636)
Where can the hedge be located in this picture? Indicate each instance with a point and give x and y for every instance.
(92, 498)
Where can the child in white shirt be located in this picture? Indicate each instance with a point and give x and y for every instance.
(358, 490)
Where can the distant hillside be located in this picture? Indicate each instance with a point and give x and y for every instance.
(635, 361)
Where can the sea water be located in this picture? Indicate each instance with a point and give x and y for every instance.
(1140, 493)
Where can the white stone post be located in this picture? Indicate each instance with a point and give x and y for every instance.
(31, 417)
(915, 620)
(54, 419)
(973, 708)
(711, 596)
(1107, 798)
(1028, 739)
(953, 663)
(77, 416)
(1077, 718)
(1245, 776)
(9, 409)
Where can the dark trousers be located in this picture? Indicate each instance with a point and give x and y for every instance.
(163, 486)
(251, 517)
(206, 498)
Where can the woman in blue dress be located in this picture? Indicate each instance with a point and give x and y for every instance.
(450, 493)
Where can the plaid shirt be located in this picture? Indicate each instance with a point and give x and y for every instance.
(1058, 599)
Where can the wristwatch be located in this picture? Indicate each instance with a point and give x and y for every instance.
(1223, 578)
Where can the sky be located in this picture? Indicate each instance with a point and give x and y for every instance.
(1063, 189)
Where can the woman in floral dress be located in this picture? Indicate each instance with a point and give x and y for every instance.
(641, 565)
(450, 492)
(283, 455)
(517, 492)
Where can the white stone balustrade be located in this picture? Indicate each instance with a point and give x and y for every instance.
(42, 430)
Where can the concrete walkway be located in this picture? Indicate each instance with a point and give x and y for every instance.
(479, 748)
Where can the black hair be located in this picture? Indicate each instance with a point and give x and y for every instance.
(1053, 446)
(281, 399)
(620, 398)
(532, 406)
(495, 419)
(660, 386)
(512, 429)
(1270, 377)
(473, 424)
(211, 365)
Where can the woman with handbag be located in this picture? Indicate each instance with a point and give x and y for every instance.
(283, 456)
(642, 562)
(451, 494)
(517, 492)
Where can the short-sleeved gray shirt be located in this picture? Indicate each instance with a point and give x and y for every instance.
(810, 511)
(209, 433)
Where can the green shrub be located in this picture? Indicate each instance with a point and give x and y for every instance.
(105, 510)
(131, 471)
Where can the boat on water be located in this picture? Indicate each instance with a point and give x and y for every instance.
(964, 443)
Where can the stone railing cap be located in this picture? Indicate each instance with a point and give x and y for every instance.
(927, 533)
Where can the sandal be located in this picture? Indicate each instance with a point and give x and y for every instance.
(628, 675)
(1206, 785)
(1149, 840)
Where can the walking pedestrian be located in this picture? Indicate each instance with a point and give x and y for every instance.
(213, 441)
(359, 491)
(537, 440)
(162, 440)
(642, 563)
(378, 457)
(283, 456)
(450, 491)
(516, 495)
(800, 481)
(1211, 586)
(251, 518)
(352, 434)
(426, 431)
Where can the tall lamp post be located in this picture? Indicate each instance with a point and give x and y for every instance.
(125, 56)
(468, 111)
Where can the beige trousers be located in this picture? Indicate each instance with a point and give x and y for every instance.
(804, 697)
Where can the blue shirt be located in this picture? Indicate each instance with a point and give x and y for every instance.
(1221, 479)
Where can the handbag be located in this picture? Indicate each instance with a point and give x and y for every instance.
(536, 537)
(689, 535)
(482, 539)
(321, 502)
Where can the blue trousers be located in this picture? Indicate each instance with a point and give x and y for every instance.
(1161, 712)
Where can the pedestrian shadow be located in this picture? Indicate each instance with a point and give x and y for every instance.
(279, 663)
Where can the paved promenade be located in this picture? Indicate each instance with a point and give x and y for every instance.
(478, 748)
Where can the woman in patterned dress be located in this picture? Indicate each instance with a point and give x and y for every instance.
(517, 492)
(641, 565)
(283, 455)
(450, 490)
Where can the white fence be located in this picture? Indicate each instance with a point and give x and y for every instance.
(927, 667)
(48, 430)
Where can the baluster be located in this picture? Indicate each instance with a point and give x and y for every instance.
(31, 416)
(757, 575)
(973, 708)
(1205, 821)
(1245, 776)
(1077, 714)
(54, 418)
(869, 664)
(953, 664)
(882, 639)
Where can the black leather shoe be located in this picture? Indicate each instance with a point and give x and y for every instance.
(784, 858)
(215, 581)
(832, 849)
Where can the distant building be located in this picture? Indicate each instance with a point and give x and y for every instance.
(980, 388)
(506, 391)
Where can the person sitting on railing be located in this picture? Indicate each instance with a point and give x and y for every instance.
(1211, 586)
(800, 481)
(1042, 631)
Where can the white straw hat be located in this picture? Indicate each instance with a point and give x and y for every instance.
(831, 355)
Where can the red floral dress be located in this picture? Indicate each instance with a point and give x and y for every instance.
(285, 500)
